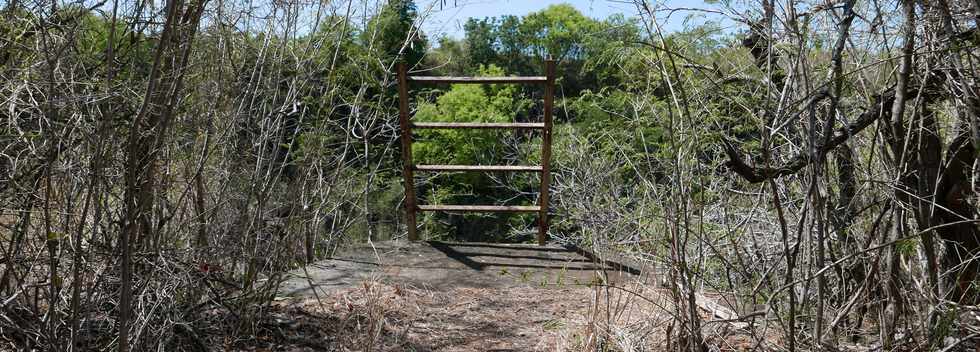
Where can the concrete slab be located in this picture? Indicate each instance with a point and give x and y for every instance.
(450, 265)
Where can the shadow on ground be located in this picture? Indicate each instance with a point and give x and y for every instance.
(457, 296)
(448, 265)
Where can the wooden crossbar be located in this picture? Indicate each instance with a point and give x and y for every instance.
(479, 80)
(481, 208)
(409, 168)
(478, 125)
(489, 168)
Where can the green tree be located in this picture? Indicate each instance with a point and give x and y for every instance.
(449, 59)
(470, 103)
(465, 103)
(392, 33)
(558, 32)
(480, 42)
(513, 45)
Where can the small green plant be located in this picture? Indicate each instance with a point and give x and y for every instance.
(526, 276)
(552, 325)
(560, 279)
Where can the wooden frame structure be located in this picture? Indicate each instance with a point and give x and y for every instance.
(409, 168)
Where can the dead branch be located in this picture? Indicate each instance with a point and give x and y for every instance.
(755, 174)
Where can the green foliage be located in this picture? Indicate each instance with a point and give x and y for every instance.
(907, 246)
(470, 103)
(387, 32)
(465, 103)
(480, 42)
(557, 32)
(584, 47)
(449, 59)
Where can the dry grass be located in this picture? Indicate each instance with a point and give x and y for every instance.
(382, 317)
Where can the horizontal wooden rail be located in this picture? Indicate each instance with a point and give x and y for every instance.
(409, 168)
(504, 168)
(481, 208)
(474, 80)
(478, 125)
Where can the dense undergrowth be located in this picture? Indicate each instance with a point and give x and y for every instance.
(812, 163)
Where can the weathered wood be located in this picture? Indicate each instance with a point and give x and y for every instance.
(478, 125)
(480, 80)
(480, 208)
(549, 97)
(545, 126)
(502, 168)
(406, 139)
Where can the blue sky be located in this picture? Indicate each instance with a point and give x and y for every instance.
(450, 19)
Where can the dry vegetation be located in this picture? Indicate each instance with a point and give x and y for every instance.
(811, 164)
(380, 317)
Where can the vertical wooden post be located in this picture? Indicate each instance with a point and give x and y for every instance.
(549, 97)
(406, 138)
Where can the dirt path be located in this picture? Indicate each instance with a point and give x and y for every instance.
(397, 296)
(436, 296)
